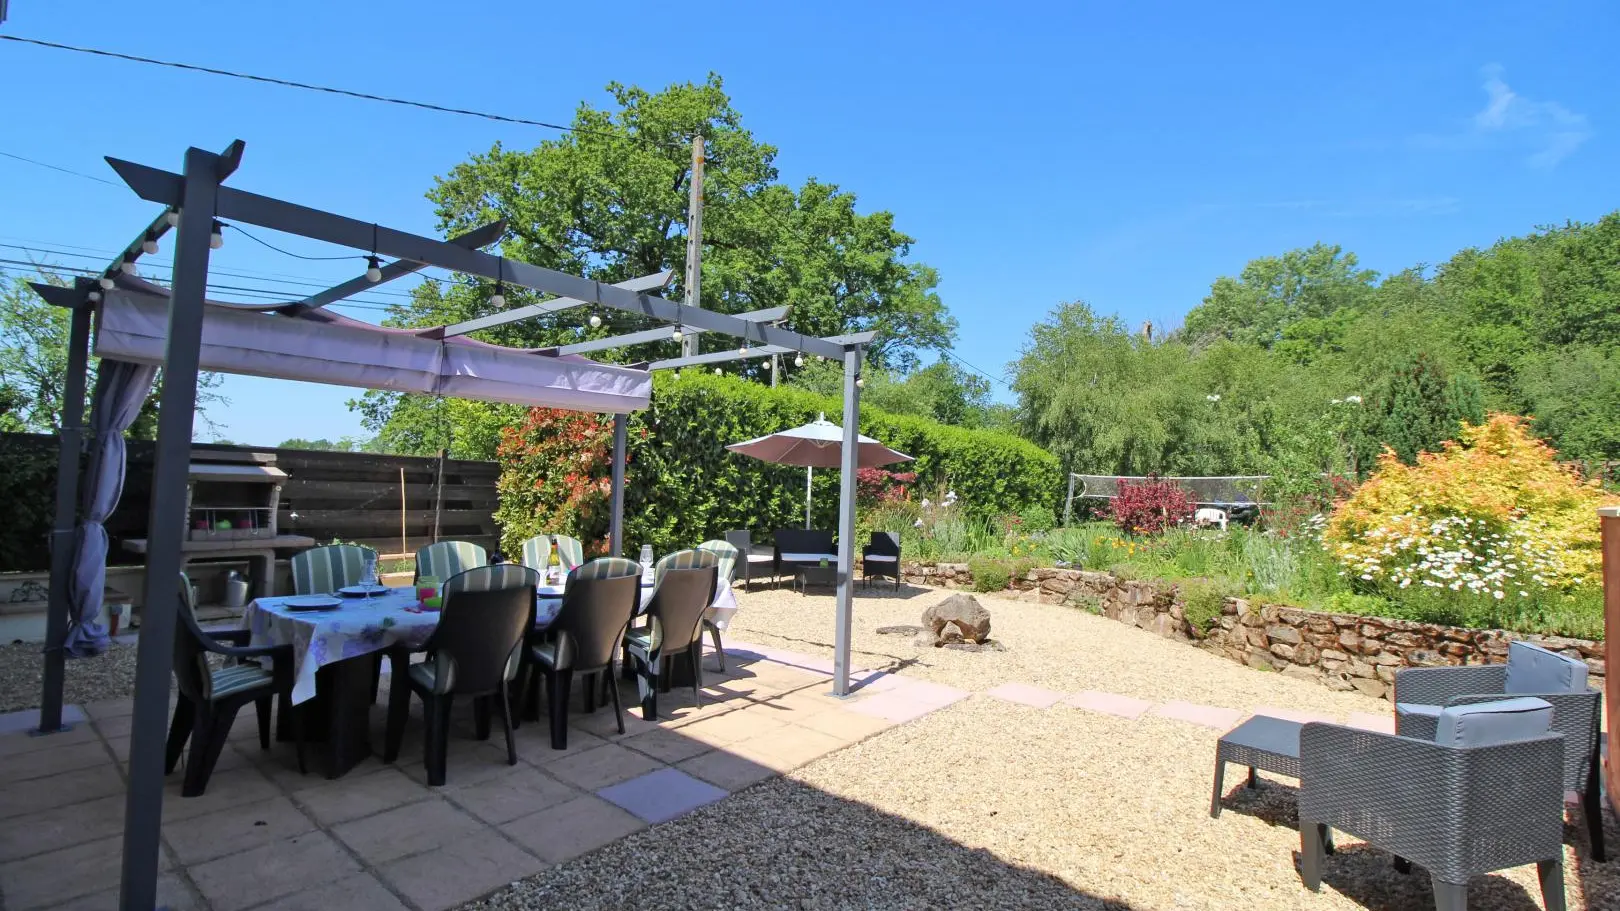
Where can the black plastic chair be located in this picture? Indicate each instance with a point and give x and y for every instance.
(475, 651)
(210, 697)
(747, 559)
(598, 602)
(674, 628)
(881, 558)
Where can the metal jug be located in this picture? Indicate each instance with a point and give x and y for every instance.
(236, 590)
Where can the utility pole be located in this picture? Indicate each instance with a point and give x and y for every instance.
(776, 367)
(694, 243)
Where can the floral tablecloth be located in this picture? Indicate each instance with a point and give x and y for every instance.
(318, 638)
(365, 625)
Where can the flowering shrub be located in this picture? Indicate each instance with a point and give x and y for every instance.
(874, 486)
(555, 477)
(1149, 506)
(1491, 515)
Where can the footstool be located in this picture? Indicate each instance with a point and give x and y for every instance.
(1261, 743)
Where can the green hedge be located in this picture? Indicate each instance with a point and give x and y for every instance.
(683, 486)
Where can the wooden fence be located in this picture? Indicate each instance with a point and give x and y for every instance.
(347, 496)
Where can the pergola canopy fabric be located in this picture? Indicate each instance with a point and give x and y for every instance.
(324, 347)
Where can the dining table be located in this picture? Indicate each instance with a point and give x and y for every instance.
(336, 650)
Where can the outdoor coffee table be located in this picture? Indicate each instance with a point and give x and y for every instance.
(809, 574)
(1261, 743)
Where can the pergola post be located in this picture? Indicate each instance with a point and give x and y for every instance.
(143, 814)
(63, 530)
(621, 428)
(846, 520)
(1609, 530)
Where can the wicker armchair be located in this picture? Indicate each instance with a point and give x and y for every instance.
(1456, 809)
(1421, 693)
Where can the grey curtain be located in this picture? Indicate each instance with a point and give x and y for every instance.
(121, 388)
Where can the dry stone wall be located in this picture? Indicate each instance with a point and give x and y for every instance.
(1341, 651)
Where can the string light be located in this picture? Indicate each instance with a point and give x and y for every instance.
(860, 382)
(127, 267)
(216, 238)
(677, 373)
(596, 321)
(770, 365)
(149, 246)
(106, 282)
(94, 296)
(677, 335)
(373, 269)
(743, 349)
(798, 360)
(172, 217)
(718, 371)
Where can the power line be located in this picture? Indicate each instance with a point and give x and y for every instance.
(280, 277)
(953, 356)
(288, 83)
(58, 167)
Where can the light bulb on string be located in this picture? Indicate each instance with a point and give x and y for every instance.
(149, 246)
(94, 296)
(677, 335)
(677, 373)
(860, 382)
(770, 364)
(497, 300)
(743, 349)
(596, 321)
(127, 267)
(798, 360)
(718, 371)
(373, 269)
(106, 282)
(216, 237)
(172, 217)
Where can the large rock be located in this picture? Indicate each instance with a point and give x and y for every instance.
(963, 614)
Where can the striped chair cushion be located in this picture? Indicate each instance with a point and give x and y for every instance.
(437, 674)
(537, 553)
(606, 568)
(725, 556)
(447, 558)
(496, 578)
(682, 559)
(322, 570)
(236, 679)
(569, 551)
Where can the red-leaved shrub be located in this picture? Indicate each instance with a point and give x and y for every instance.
(1151, 505)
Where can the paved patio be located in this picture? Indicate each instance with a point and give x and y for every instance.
(264, 836)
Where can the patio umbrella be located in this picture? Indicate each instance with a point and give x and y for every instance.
(818, 444)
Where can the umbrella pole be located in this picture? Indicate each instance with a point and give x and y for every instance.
(808, 471)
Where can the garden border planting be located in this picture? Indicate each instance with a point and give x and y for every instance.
(1341, 651)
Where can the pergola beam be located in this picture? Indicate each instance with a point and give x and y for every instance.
(721, 357)
(164, 187)
(478, 237)
(555, 305)
(662, 333)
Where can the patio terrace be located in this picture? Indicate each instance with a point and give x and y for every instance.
(1070, 771)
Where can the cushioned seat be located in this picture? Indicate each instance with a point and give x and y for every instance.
(1483, 723)
(237, 680)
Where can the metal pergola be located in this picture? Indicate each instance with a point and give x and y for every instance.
(194, 202)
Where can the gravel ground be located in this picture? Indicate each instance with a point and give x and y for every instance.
(1061, 648)
(987, 804)
(108, 676)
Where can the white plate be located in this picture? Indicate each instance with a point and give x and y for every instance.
(312, 602)
(360, 591)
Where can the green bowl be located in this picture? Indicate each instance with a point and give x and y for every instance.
(432, 603)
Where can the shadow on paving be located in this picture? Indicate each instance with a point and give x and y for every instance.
(1367, 875)
(784, 844)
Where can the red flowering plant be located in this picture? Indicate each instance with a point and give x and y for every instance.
(877, 487)
(1151, 505)
(555, 477)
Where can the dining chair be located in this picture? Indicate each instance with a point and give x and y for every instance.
(674, 628)
(211, 696)
(727, 563)
(474, 651)
(324, 570)
(599, 598)
(537, 553)
(570, 552)
(449, 558)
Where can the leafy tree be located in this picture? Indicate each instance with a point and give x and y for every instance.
(941, 391)
(609, 199)
(1294, 296)
(1574, 395)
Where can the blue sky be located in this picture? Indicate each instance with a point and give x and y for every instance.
(1124, 154)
